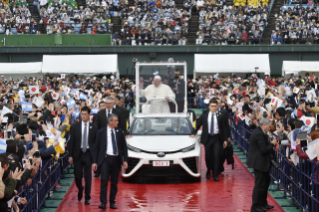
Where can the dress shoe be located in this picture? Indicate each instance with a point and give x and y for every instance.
(268, 207)
(259, 209)
(87, 202)
(80, 194)
(216, 178)
(208, 175)
(232, 166)
(102, 206)
(113, 206)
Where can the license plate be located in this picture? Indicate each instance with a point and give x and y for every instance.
(160, 163)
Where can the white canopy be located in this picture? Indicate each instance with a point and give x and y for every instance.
(79, 64)
(231, 63)
(292, 67)
(20, 68)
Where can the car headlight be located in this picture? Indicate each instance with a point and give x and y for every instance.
(189, 148)
(134, 149)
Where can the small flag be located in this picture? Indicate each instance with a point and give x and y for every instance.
(91, 118)
(4, 111)
(55, 95)
(241, 116)
(22, 99)
(66, 90)
(295, 113)
(3, 146)
(77, 83)
(76, 96)
(62, 102)
(83, 96)
(26, 106)
(38, 101)
(34, 89)
(309, 121)
(95, 110)
(76, 113)
(62, 76)
(70, 103)
(273, 100)
(91, 98)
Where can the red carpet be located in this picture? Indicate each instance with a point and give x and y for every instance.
(232, 193)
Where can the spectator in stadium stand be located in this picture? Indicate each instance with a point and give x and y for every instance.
(36, 6)
(244, 37)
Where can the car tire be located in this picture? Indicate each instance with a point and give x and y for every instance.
(196, 179)
(127, 180)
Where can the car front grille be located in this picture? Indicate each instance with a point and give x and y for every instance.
(132, 162)
(172, 170)
(191, 164)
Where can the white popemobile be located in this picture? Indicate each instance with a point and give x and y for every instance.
(159, 143)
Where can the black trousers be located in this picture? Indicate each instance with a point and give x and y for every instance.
(213, 149)
(84, 162)
(262, 181)
(180, 106)
(110, 167)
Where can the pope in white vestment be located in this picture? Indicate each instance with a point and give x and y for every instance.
(157, 90)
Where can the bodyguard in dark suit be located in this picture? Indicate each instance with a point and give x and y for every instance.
(110, 153)
(178, 86)
(101, 119)
(120, 104)
(81, 145)
(214, 137)
(226, 153)
(259, 158)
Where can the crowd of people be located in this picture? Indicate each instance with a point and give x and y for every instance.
(36, 124)
(38, 116)
(239, 24)
(296, 25)
(15, 18)
(154, 22)
(282, 107)
(67, 18)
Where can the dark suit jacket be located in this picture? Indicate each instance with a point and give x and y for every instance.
(227, 129)
(76, 139)
(101, 120)
(202, 121)
(260, 150)
(125, 112)
(101, 145)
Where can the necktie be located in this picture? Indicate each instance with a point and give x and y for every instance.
(212, 125)
(84, 139)
(114, 143)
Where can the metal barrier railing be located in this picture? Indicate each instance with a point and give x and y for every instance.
(298, 182)
(43, 183)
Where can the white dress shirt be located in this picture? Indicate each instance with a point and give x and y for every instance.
(87, 133)
(107, 112)
(209, 120)
(109, 150)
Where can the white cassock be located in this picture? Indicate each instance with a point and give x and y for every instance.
(157, 106)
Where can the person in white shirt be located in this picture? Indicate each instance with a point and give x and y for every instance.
(199, 4)
(162, 94)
